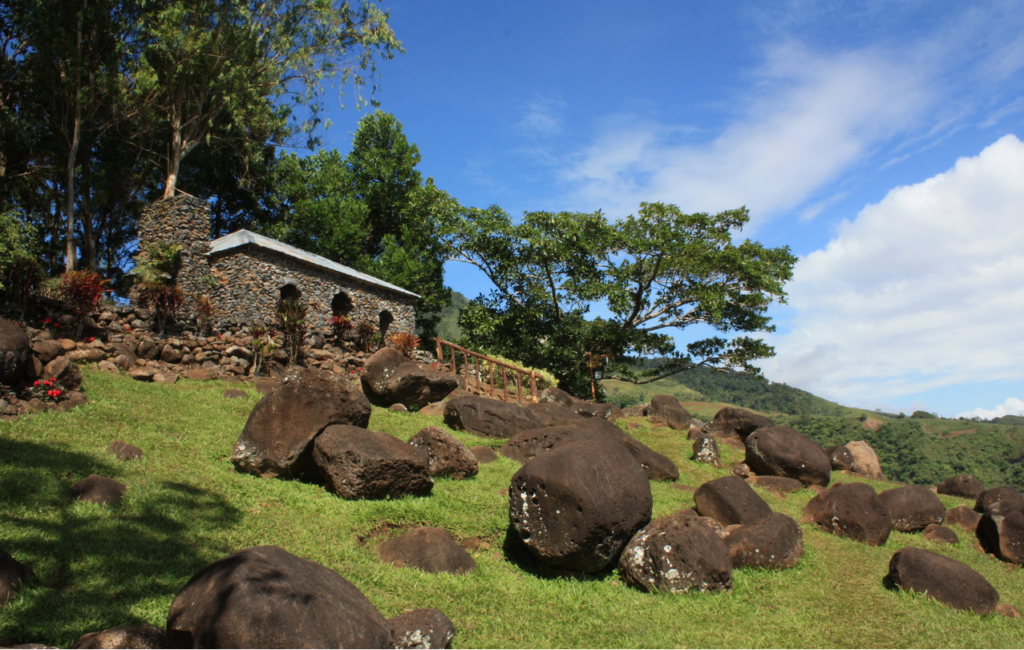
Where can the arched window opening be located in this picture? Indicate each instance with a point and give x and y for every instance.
(341, 304)
(290, 292)
(385, 322)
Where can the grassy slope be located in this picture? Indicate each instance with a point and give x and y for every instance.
(99, 567)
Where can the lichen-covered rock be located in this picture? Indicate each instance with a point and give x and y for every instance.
(126, 636)
(421, 628)
(576, 506)
(705, 450)
(999, 500)
(677, 554)
(840, 457)
(389, 377)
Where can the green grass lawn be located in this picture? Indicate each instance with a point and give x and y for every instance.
(100, 567)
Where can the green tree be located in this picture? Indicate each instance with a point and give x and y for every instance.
(658, 271)
(254, 61)
(370, 210)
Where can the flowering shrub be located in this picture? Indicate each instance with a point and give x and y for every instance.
(404, 342)
(366, 332)
(291, 315)
(81, 292)
(341, 325)
(262, 346)
(164, 299)
(46, 390)
(49, 322)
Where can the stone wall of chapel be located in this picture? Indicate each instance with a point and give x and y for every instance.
(249, 281)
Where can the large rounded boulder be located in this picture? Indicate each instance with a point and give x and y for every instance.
(265, 597)
(489, 418)
(14, 353)
(447, 456)
(961, 485)
(783, 451)
(358, 463)
(1002, 534)
(850, 510)
(677, 554)
(389, 377)
(732, 421)
(666, 410)
(730, 500)
(276, 440)
(865, 460)
(913, 507)
(946, 580)
(577, 506)
(774, 542)
(999, 500)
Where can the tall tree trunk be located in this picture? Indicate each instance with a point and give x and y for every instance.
(177, 147)
(71, 249)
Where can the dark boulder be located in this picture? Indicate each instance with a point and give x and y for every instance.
(389, 377)
(446, 455)
(433, 550)
(780, 484)
(123, 451)
(1002, 534)
(999, 500)
(525, 445)
(555, 395)
(552, 413)
(962, 485)
(488, 417)
(677, 554)
(731, 421)
(783, 451)
(12, 574)
(774, 542)
(276, 440)
(940, 534)
(46, 351)
(576, 506)
(729, 500)
(850, 510)
(98, 489)
(126, 636)
(963, 517)
(265, 597)
(946, 580)
(421, 628)
(14, 353)
(666, 410)
(483, 455)
(657, 467)
(913, 507)
(840, 457)
(67, 375)
(360, 464)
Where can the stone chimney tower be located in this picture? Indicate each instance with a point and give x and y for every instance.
(183, 220)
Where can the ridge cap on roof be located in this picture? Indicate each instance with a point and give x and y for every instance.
(244, 236)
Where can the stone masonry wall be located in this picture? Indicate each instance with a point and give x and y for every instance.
(250, 278)
(182, 220)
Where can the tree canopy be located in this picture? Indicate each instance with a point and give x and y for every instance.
(649, 275)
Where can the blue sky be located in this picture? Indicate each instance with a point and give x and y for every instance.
(881, 141)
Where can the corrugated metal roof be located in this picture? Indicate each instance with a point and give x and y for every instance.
(244, 237)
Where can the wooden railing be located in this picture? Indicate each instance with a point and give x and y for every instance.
(520, 374)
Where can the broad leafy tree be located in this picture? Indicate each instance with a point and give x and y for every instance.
(647, 276)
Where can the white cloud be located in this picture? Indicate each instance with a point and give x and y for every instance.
(542, 117)
(924, 289)
(1012, 406)
(809, 118)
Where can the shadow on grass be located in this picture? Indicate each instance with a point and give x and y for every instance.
(520, 555)
(97, 566)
